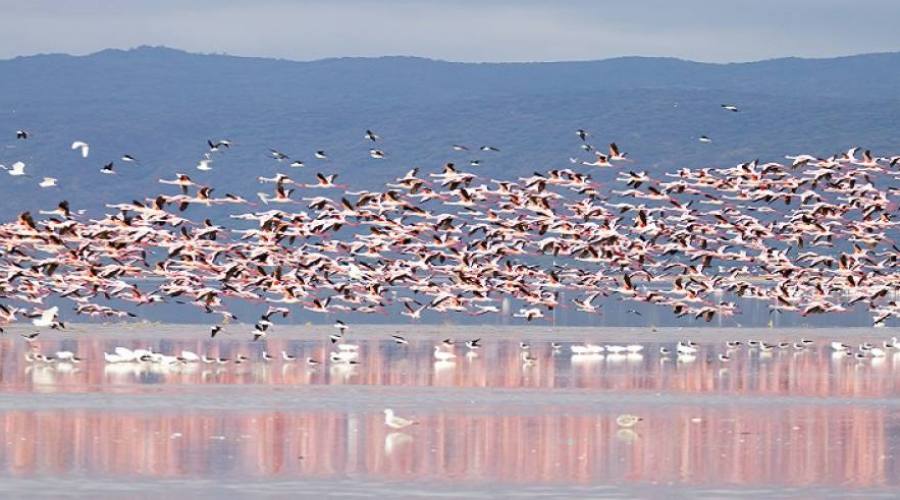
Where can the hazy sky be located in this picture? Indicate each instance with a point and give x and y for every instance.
(462, 30)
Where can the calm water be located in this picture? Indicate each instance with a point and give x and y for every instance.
(793, 423)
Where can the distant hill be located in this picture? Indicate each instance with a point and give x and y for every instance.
(160, 105)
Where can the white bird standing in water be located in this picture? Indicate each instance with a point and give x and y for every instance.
(114, 358)
(67, 356)
(839, 346)
(627, 420)
(189, 357)
(394, 422)
(686, 348)
(443, 355)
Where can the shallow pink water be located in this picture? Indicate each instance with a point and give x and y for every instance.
(801, 421)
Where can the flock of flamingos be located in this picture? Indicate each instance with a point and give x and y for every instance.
(810, 235)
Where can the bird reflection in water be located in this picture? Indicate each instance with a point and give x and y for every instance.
(795, 445)
(686, 427)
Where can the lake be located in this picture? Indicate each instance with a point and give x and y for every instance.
(787, 422)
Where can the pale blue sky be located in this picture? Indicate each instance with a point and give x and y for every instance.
(460, 30)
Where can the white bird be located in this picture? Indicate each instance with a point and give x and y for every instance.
(278, 155)
(443, 355)
(48, 318)
(47, 182)
(164, 360)
(17, 169)
(114, 358)
(686, 348)
(83, 146)
(67, 356)
(529, 313)
(627, 421)
(528, 359)
(839, 346)
(218, 145)
(587, 349)
(394, 422)
(205, 165)
(705, 139)
(189, 357)
(125, 354)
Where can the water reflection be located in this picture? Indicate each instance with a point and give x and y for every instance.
(794, 446)
(843, 436)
